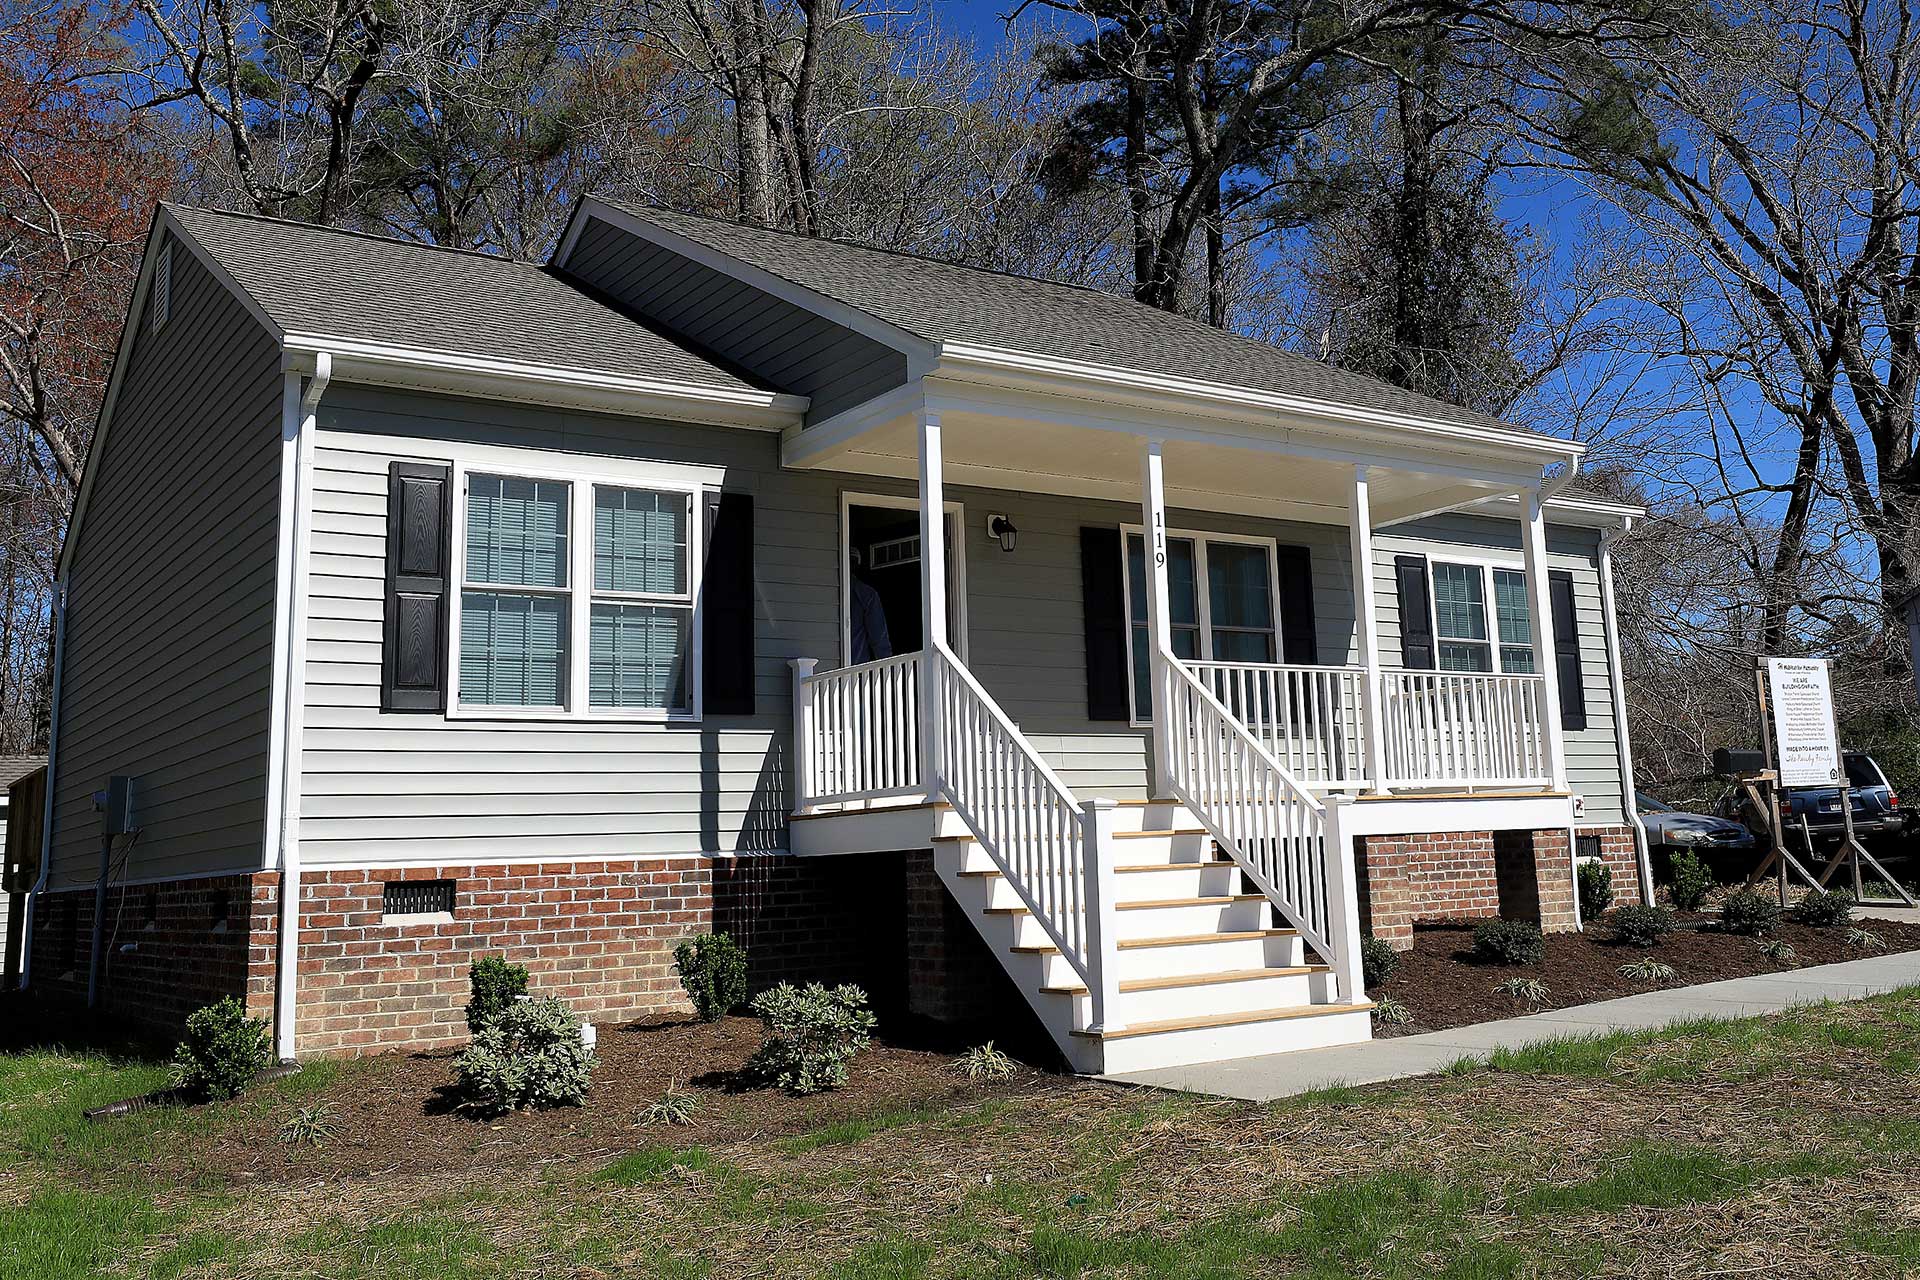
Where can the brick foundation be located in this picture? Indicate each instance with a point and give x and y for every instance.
(1406, 880)
(1617, 849)
(168, 948)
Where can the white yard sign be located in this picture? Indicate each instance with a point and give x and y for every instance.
(1803, 732)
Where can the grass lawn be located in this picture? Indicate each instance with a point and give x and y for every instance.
(1786, 1145)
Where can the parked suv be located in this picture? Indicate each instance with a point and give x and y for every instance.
(1876, 809)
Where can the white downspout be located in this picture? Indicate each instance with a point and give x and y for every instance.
(297, 441)
(1547, 490)
(1616, 677)
(46, 814)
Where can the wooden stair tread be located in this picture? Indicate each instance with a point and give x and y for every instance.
(1222, 900)
(1204, 1021)
(1156, 835)
(1181, 980)
(1141, 944)
(1140, 868)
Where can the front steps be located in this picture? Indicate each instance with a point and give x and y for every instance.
(1204, 973)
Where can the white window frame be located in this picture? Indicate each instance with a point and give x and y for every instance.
(581, 477)
(1204, 610)
(1486, 567)
(956, 586)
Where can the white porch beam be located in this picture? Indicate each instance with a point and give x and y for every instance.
(820, 443)
(1367, 627)
(933, 593)
(1533, 541)
(1153, 505)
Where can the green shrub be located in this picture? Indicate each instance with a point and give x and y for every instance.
(1778, 950)
(493, 985)
(1692, 881)
(1509, 942)
(530, 1056)
(713, 969)
(1596, 889)
(1378, 960)
(223, 1052)
(1642, 926)
(309, 1126)
(1822, 910)
(812, 1032)
(1749, 913)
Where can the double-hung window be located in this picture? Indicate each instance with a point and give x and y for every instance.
(1481, 621)
(577, 598)
(1231, 620)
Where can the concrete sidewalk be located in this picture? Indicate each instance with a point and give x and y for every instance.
(1282, 1075)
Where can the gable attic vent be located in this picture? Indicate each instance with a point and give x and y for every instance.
(161, 301)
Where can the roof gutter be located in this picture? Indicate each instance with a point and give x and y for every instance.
(298, 428)
(46, 812)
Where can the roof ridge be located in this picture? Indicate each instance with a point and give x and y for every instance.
(246, 216)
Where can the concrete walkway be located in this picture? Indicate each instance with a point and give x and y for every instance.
(1282, 1075)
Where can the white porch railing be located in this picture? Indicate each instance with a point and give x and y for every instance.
(857, 731)
(1263, 817)
(1444, 727)
(1310, 719)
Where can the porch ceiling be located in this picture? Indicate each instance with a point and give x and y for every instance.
(1286, 475)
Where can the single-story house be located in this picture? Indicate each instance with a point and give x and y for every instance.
(991, 641)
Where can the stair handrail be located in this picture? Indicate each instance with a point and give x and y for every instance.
(1052, 849)
(1265, 819)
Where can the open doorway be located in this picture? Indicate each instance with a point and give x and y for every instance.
(880, 558)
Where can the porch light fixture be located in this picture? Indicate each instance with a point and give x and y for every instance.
(998, 526)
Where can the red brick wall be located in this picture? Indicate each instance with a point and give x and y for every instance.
(829, 920)
(1408, 879)
(599, 935)
(164, 953)
(1622, 856)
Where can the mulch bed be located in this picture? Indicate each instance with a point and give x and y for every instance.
(396, 1114)
(1442, 985)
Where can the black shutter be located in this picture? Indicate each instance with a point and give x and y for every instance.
(726, 604)
(413, 648)
(1298, 643)
(1566, 651)
(1416, 613)
(1103, 602)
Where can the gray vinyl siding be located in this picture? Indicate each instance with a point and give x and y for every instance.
(1593, 759)
(167, 673)
(783, 345)
(396, 787)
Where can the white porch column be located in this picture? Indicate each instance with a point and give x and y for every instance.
(933, 595)
(1153, 504)
(1533, 539)
(1366, 626)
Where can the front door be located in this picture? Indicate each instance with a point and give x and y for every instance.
(880, 606)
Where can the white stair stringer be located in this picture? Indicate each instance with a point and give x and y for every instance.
(1204, 974)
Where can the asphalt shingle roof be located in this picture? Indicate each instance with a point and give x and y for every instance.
(13, 768)
(941, 301)
(343, 284)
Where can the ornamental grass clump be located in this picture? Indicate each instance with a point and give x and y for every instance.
(1647, 969)
(1596, 889)
(492, 986)
(1866, 940)
(1389, 1012)
(1530, 991)
(532, 1055)
(713, 969)
(1823, 910)
(1642, 926)
(1515, 942)
(1692, 881)
(223, 1051)
(984, 1062)
(1749, 913)
(812, 1033)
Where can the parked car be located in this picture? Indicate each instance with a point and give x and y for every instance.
(1671, 829)
(1876, 809)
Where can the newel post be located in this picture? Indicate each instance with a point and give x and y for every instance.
(802, 731)
(1103, 933)
(1343, 900)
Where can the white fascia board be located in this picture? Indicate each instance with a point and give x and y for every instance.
(1580, 512)
(417, 368)
(818, 444)
(922, 353)
(163, 222)
(1068, 377)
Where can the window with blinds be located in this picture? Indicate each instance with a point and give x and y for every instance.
(641, 626)
(514, 604)
(1467, 640)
